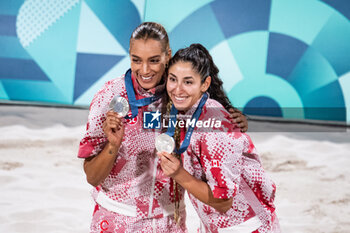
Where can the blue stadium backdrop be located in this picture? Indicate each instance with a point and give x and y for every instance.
(289, 56)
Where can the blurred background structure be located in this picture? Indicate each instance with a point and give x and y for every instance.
(277, 58)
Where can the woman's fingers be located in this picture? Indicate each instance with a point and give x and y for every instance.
(113, 120)
(231, 110)
(244, 129)
(112, 124)
(235, 115)
(165, 160)
(165, 165)
(168, 162)
(169, 157)
(113, 115)
(238, 118)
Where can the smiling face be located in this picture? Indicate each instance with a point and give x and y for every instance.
(148, 60)
(184, 85)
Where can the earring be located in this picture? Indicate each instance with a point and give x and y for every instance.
(166, 66)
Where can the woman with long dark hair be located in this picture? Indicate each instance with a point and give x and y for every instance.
(213, 160)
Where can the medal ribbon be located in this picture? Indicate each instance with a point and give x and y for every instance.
(195, 116)
(134, 104)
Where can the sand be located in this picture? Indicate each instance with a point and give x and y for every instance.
(44, 187)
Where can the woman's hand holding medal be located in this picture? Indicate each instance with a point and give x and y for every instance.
(113, 127)
(171, 165)
(165, 146)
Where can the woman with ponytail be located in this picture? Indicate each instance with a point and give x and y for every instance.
(215, 162)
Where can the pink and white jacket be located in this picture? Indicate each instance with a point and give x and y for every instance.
(136, 187)
(226, 160)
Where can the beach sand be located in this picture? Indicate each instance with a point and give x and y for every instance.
(44, 187)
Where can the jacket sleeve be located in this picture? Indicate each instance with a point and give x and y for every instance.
(94, 138)
(221, 159)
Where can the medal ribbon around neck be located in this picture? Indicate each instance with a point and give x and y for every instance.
(195, 116)
(134, 104)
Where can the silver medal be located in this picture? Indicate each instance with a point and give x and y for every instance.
(119, 105)
(165, 143)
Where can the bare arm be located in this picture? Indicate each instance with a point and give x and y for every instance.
(198, 188)
(98, 167)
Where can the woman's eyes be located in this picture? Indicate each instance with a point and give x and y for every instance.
(136, 60)
(155, 60)
(171, 79)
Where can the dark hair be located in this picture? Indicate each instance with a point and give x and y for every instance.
(203, 64)
(151, 30)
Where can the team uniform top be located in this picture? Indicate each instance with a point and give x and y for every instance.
(136, 186)
(226, 159)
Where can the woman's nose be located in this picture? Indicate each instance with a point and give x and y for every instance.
(145, 68)
(178, 88)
